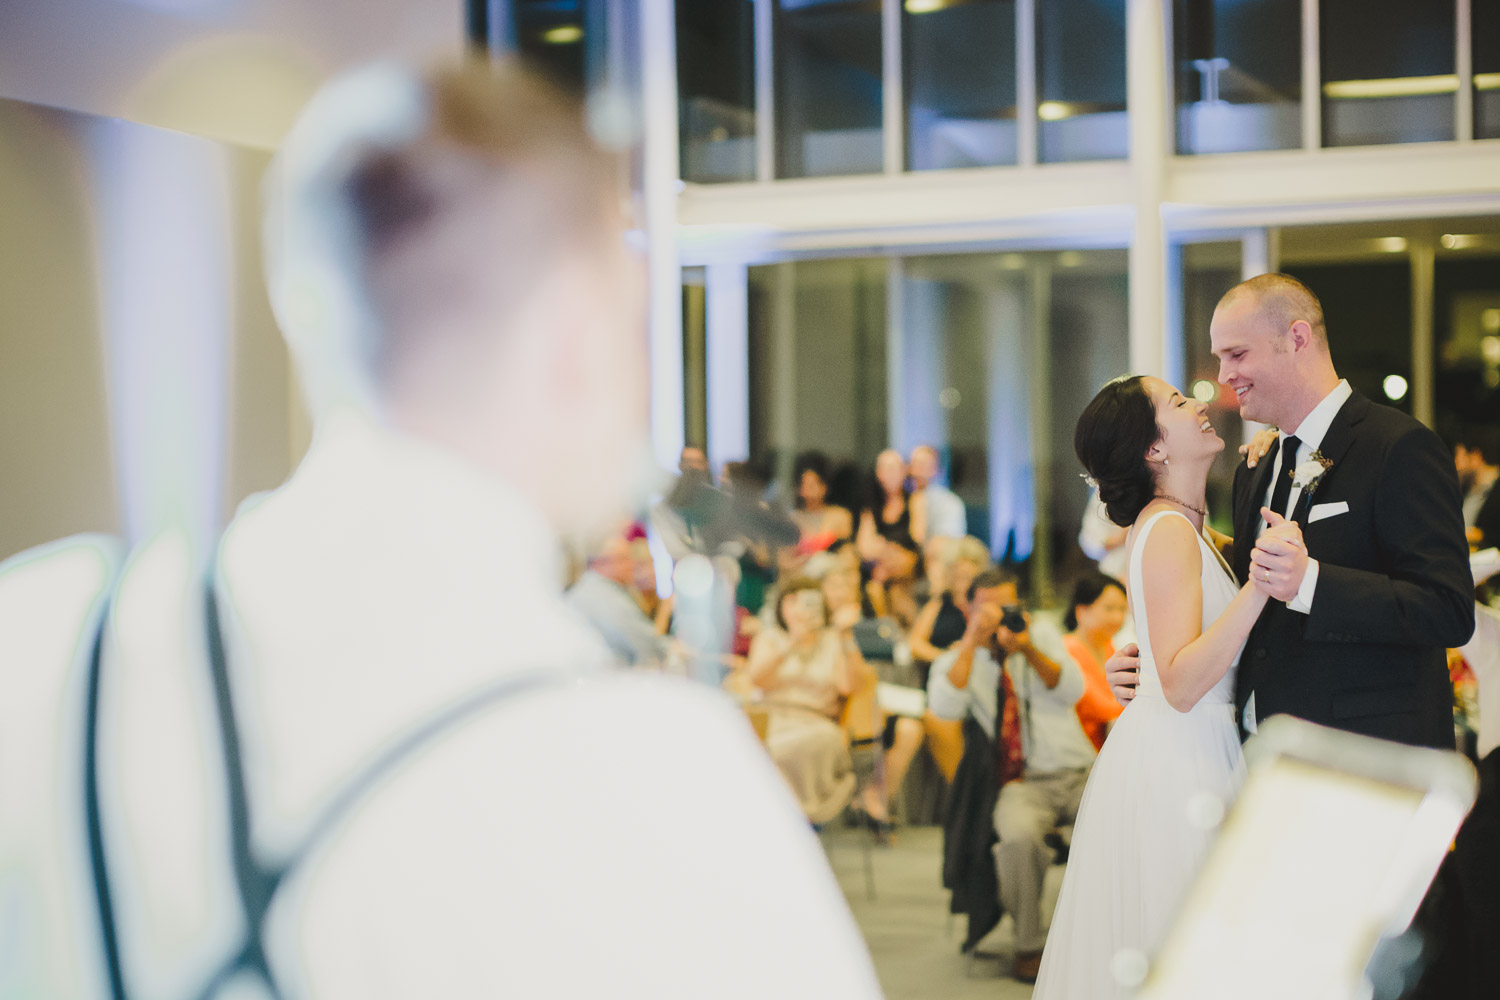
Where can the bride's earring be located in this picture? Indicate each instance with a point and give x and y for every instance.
(1166, 461)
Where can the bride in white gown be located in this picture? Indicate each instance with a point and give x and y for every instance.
(1172, 761)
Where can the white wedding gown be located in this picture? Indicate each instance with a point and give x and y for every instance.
(1147, 814)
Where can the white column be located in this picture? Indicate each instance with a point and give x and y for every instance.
(1423, 256)
(1026, 126)
(1463, 106)
(1312, 79)
(1259, 254)
(895, 351)
(783, 416)
(1148, 96)
(893, 105)
(1039, 381)
(765, 93)
(728, 363)
(660, 186)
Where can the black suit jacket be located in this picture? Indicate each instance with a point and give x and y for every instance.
(1394, 587)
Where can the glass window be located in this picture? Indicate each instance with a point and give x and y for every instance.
(829, 87)
(716, 89)
(1239, 75)
(1388, 70)
(817, 363)
(1486, 33)
(1081, 81)
(1466, 331)
(1208, 271)
(551, 37)
(1000, 354)
(1367, 308)
(960, 64)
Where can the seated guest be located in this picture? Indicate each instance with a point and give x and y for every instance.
(1094, 617)
(892, 587)
(606, 598)
(820, 522)
(938, 628)
(1477, 456)
(946, 516)
(893, 513)
(643, 585)
(899, 737)
(807, 670)
(1006, 674)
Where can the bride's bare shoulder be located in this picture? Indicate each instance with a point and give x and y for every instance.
(1171, 545)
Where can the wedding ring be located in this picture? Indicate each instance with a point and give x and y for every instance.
(1266, 575)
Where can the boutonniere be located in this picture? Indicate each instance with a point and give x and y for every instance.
(1309, 473)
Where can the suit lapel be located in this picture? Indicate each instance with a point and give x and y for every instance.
(1335, 443)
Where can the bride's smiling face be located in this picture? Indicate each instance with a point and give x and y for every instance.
(1186, 433)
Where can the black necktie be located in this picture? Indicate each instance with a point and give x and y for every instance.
(1283, 488)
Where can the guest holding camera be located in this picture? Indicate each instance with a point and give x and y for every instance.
(1020, 685)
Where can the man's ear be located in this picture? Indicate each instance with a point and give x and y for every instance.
(1302, 334)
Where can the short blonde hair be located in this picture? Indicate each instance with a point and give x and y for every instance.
(1282, 300)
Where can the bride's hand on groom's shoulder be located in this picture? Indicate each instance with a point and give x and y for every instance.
(1255, 449)
(1123, 672)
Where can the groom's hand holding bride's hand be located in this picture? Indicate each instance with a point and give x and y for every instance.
(1280, 558)
(1123, 672)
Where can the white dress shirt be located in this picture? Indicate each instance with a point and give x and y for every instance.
(946, 516)
(1051, 738)
(1311, 432)
(1483, 654)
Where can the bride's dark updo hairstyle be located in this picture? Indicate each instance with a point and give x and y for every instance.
(1111, 440)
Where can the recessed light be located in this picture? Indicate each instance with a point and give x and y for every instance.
(565, 34)
(1395, 388)
(1391, 244)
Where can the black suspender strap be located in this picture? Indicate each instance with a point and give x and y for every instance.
(257, 881)
(102, 897)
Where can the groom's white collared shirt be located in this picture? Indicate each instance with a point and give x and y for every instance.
(1311, 432)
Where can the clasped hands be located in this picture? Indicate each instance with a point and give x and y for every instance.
(1279, 561)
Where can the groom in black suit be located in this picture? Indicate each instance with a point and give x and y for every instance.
(1356, 635)
(1363, 612)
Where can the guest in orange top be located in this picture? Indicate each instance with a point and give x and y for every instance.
(1094, 616)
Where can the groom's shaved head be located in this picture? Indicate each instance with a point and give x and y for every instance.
(1281, 300)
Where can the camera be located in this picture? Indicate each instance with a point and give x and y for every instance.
(1013, 618)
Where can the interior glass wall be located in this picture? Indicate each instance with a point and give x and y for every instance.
(1081, 81)
(1238, 75)
(1208, 271)
(1486, 35)
(1397, 84)
(829, 87)
(716, 89)
(960, 84)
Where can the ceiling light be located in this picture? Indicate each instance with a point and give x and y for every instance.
(1070, 258)
(924, 6)
(565, 34)
(1487, 81)
(1395, 388)
(1391, 244)
(1012, 261)
(1459, 241)
(1051, 111)
(1490, 320)
(1205, 391)
(1402, 86)
(1489, 349)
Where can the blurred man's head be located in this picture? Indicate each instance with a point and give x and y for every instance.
(924, 465)
(693, 459)
(614, 561)
(994, 588)
(1272, 344)
(1476, 454)
(447, 250)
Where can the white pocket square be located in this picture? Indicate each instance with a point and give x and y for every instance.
(1322, 510)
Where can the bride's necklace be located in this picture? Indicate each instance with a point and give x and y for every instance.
(1200, 511)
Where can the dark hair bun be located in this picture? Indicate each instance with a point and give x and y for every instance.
(1111, 440)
